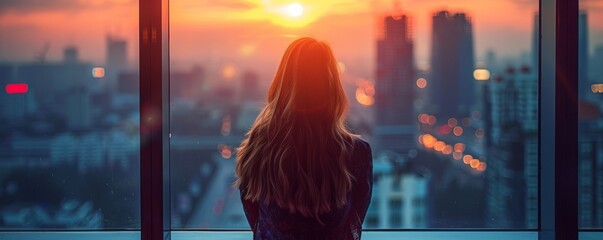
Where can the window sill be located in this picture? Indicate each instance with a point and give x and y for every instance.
(235, 235)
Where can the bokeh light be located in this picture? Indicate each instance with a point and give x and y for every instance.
(98, 72)
(421, 83)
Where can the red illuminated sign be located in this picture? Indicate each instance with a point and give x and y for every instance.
(16, 88)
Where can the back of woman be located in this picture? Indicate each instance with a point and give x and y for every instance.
(301, 173)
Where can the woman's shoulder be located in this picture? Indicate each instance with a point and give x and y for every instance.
(362, 153)
(361, 145)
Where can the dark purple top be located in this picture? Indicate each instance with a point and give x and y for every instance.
(268, 221)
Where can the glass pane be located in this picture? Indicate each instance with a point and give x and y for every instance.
(445, 92)
(69, 138)
(590, 120)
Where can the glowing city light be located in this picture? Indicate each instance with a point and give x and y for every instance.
(452, 122)
(431, 142)
(457, 131)
(423, 118)
(444, 129)
(597, 88)
(226, 125)
(247, 49)
(98, 72)
(421, 83)
(431, 120)
(474, 163)
(467, 159)
(225, 151)
(447, 150)
(16, 88)
(363, 98)
(482, 167)
(295, 10)
(228, 71)
(459, 147)
(481, 74)
(439, 146)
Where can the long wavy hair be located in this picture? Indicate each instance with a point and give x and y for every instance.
(295, 153)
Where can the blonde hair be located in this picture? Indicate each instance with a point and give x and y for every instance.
(296, 151)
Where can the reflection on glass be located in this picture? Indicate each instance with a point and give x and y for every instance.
(590, 120)
(446, 95)
(69, 138)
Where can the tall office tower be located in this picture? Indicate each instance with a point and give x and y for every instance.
(116, 60)
(512, 175)
(590, 162)
(394, 87)
(116, 52)
(583, 81)
(452, 64)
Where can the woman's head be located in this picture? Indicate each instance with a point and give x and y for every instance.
(295, 152)
(307, 83)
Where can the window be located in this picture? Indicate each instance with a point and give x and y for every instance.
(590, 137)
(69, 118)
(446, 94)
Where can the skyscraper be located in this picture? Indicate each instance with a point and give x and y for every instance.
(512, 176)
(116, 52)
(452, 64)
(116, 61)
(394, 86)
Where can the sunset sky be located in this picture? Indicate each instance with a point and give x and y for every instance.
(251, 32)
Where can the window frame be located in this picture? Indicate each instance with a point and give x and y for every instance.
(558, 113)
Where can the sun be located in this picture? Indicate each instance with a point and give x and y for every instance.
(294, 14)
(295, 10)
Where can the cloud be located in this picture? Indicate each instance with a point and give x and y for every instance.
(526, 3)
(210, 4)
(39, 5)
(28, 6)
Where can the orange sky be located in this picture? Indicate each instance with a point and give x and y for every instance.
(252, 32)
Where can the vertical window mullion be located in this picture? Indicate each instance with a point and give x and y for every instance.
(152, 121)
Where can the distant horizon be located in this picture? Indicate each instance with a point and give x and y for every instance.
(251, 33)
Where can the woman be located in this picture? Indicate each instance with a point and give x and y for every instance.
(301, 173)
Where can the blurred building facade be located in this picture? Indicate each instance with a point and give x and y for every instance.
(452, 87)
(394, 128)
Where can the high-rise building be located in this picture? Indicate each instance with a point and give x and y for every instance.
(399, 197)
(452, 87)
(116, 60)
(590, 162)
(596, 73)
(116, 52)
(512, 176)
(394, 87)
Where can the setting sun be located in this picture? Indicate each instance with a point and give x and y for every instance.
(295, 10)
